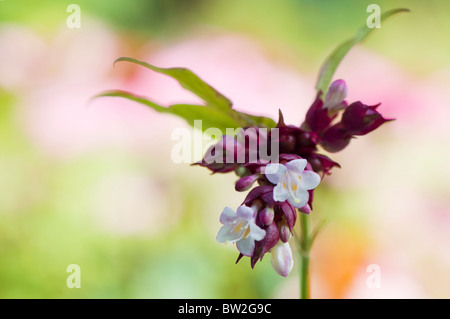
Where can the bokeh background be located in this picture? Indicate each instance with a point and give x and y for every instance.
(93, 183)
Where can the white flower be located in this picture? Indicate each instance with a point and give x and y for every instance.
(281, 259)
(293, 182)
(240, 227)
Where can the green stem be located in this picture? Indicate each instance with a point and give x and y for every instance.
(304, 250)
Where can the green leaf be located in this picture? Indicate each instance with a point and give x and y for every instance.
(217, 113)
(190, 82)
(209, 117)
(332, 61)
(258, 121)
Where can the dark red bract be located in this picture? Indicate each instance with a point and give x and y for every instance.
(320, 128)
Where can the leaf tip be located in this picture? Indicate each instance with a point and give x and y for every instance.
(121, 59)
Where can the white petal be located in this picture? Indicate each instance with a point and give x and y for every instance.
(281, 259)
(227, 216)
(296, 166)
(301, 199)
(245, 212)
(256, 232)
(280, 194)
(246, 246)
(310, 180)
(226, 234)
(274, 172)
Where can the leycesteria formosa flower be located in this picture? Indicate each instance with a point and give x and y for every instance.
(239, 227)
(293, 182)
(285, 180)
(265, 221)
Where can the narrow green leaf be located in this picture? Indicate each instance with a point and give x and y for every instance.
(332, 62)
(258, 121)
(190, 82)
(132, 97)
(217, 113)
(210, 117)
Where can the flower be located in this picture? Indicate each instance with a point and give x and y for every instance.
(292, 181)
(265, 221)
(281, 259)
(272, 217)
(240, 227)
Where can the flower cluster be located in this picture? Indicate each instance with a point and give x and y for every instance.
(265, 220)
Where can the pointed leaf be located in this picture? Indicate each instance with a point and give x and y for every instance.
(209, 117)
(332, 62)
(132, 97)
(217, 113)
(190, 82)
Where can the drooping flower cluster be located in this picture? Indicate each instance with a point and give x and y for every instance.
(287, 167)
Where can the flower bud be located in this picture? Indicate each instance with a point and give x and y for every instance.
(281, 259)
(285, 233)
(263, 193)
(305, 209)
(336, 95)
(288, 213)
(266, 216)
(245, 183)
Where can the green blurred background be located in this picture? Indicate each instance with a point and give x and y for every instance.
(93, 184)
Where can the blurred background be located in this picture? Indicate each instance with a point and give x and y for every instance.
(92, 183)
